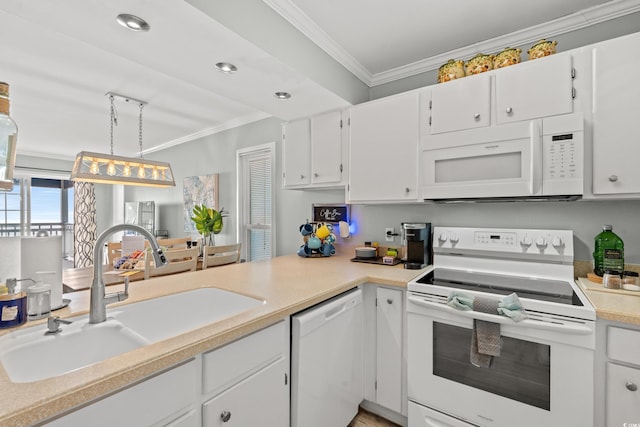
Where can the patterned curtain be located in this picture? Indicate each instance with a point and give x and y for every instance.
(84, 230)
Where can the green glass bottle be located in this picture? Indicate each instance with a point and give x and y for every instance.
(608, 253)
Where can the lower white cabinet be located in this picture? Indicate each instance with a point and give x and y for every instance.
(623, 397)
(260, 400)
(385, 352)
(158, 400)
(242, 384)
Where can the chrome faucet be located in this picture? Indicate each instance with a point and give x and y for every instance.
(99, 298)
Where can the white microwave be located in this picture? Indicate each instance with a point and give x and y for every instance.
(535, 159)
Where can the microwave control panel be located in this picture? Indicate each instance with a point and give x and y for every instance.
(562, 162)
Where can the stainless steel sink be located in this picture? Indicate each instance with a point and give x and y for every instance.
(29, 355)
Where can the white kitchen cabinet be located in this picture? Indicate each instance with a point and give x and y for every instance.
(616, 108)
(533, 89)
(461, 104)
(385, 352)
(296, 153)
(623, 396)
(529, 90)
(247, 378)
(163, 397)
(260, 400)
(326, 148)
(383, 150)
(313, 152)
(390, 359)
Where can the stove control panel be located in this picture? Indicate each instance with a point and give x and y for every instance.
(519, 243)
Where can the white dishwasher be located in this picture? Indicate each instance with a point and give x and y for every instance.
(327, 362)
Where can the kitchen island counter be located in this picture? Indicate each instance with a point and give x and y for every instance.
(612, 304)
(287, 284)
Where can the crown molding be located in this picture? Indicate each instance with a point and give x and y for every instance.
(585, 18)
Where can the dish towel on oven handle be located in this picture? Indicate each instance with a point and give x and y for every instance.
(486, 341)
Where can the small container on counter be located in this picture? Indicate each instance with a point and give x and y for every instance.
(630, 281)
(38, 301)
(612, 279)
(13, 305)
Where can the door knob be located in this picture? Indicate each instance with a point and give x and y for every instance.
(476, 116)
(508, 110)
(613, 178)
(225, 416)
(389, 301)
(631, 386)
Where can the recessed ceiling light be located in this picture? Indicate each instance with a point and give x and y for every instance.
(132, 22)
(282, 95)
(226, 67)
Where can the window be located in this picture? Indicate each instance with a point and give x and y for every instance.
(255, 168)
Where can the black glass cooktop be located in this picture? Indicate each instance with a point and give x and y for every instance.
(525, 287)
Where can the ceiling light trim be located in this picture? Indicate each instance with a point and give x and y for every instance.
(576, 21)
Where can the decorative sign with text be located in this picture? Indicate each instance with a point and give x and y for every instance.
(330, 213)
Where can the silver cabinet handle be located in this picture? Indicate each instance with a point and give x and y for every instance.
(631, 386)
(476, 116)
(301, 176)
(225, 416)
(508, 110)
(389, 301)
(407, 190)
(613, 178)
(315, 175)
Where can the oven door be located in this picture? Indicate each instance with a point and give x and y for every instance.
(542, 377)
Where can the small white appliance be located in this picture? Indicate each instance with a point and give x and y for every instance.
(544, 373)
(327, 374)
(540, 158)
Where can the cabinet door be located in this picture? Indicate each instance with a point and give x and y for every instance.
(389, 349)
(296, 152)
(383, 156)
(616, 109)
(461, 104)
(326, 148)
(260, 400)
(534, 89)
(623, 396)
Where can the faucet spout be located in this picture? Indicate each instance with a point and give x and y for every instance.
(98, 298)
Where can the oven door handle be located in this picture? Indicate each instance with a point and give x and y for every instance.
(577, 329)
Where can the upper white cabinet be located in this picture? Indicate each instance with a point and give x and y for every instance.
(313, 152)
(326, 148)
(383, 150)
(616, 109)
(530, 90)
(461, 104)
(296, 143)
(534, 89)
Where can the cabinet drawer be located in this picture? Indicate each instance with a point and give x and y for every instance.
(230, 364)
(623, 345)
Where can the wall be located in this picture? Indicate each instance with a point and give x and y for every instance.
(217, 154)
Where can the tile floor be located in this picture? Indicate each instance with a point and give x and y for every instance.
(367, 419)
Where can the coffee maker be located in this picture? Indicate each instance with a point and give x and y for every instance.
(416, 237)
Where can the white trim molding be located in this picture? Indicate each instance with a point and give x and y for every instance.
(585, 18)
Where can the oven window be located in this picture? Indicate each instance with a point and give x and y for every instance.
(521, 372)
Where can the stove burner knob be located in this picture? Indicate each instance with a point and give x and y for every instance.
(541, 242)
(557, 242)
(526, 241)
(443, 237)
(454, 238)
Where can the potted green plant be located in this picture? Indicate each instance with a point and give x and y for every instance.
(208, 222)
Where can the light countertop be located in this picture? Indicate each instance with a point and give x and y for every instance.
(288, 284)
(612, 304)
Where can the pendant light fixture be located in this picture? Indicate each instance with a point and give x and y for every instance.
(110, 169)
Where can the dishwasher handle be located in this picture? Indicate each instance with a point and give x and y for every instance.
(313, 318)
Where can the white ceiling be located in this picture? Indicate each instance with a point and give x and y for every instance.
(61, 58)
